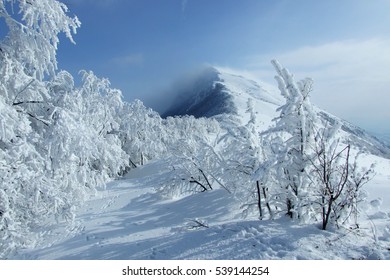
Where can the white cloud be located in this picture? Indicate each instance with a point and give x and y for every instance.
(129, 60)
(352, 78)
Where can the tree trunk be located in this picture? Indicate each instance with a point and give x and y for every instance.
(327, 214)
(289, 208)
(267, 203)
(259, 199)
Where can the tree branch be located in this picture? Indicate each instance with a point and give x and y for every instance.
(198, 183)
(26, 102)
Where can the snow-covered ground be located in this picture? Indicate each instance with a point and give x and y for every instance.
(129, 220)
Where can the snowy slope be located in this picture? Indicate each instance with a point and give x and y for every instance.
(131, 221)
(214, 92)
(202, 96)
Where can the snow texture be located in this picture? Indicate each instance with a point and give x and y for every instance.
(131, 221)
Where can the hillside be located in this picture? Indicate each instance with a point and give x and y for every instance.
(215, 92)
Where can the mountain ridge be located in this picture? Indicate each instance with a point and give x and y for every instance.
(215, 92)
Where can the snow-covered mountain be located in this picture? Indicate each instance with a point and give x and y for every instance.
(132, 218)
(215, 92)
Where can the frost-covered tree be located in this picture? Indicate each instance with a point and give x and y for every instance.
(337, 178)
(82, 142)
(33, 29)
(58, 143)
(242, 157)
(27, 55)
(191, 156)
(307, 166)
(259, 195)
(143, 133)
(295, 129)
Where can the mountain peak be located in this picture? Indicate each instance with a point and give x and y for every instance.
(216, 91)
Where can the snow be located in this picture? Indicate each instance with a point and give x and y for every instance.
(130, 220)
(59, 143)
(265, 97)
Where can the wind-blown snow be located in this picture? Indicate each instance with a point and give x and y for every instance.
(215, 92)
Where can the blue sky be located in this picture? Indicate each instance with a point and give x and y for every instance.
(142, 46)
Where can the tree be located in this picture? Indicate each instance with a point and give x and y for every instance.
(307, 160)
(27, 55)
(191, 155)
(143, 133)
(32, 39)
(58, 143)
(295, 128)
(28, 52)
(337, 176)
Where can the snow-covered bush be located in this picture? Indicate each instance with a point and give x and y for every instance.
(337, 177)
(190, 155)
(309, 171)
(142, 133)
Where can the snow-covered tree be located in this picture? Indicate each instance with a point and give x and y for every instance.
(337, 177)
(307, 165)
(295, 128)
(142, 133)
(191, 155)
(33, 30)
(27, 55)
(58, 143)
(257, 197)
